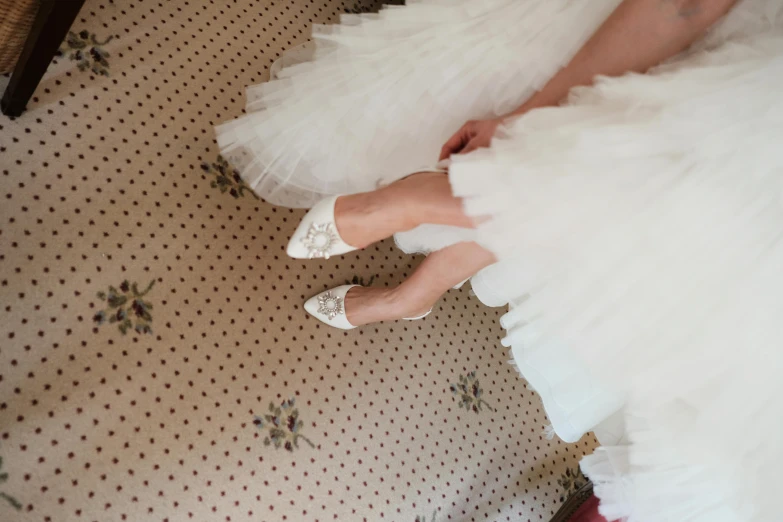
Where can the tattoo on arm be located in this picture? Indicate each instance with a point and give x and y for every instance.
(685, 8)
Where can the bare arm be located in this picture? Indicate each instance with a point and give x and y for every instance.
(638, 35)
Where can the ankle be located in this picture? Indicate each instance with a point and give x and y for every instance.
(363, 219)
(403, 303)
(412, 196)
(371, 305)
(396, 208)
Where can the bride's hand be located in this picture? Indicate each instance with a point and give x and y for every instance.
(472, 135)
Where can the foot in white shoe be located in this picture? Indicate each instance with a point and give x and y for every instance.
(365, 218)
(329, 307)
(317, 236)
(341, 309)
(341, 224)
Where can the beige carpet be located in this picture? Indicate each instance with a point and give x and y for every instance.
(155, 360)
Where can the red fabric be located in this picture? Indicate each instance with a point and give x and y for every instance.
(588, 512)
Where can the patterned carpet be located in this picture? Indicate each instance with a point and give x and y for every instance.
(155, 360)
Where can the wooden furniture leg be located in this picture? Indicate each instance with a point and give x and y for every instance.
(50, 27)
(582, 506)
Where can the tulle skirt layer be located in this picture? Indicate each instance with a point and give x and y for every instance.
(382, 92)
(641, 226)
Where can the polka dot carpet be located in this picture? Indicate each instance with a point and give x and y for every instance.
(155, 360)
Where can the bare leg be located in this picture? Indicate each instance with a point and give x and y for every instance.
(417, 294)
(363, 219)
(425, 197)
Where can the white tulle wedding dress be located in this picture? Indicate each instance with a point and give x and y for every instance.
(639, 226)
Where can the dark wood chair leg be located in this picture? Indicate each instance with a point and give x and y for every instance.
(574, 503)
(50, 27)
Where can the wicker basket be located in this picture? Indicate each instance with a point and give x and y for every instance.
(16, 18)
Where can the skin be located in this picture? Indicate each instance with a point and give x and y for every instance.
(637, 36)
(436, 275)
(422, 198)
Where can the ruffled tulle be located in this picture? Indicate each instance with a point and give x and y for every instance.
(384, 91)
(646, 220)
(639, 228)
(576, 400)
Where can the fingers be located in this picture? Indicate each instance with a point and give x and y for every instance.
(475, 143)
(456, 142)
(452, 146)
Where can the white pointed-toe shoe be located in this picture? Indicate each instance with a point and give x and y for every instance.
(329, 308)
(316, 237)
